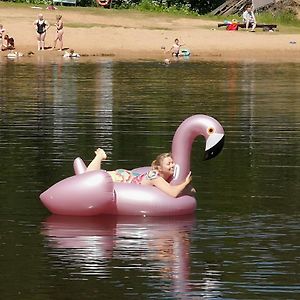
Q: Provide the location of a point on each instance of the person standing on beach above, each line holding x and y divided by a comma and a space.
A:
2, 33
59, 32
249, 18
41, 28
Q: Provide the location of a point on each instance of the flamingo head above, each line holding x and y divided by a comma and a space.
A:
214, 141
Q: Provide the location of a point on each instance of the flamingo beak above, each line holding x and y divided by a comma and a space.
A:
214, 145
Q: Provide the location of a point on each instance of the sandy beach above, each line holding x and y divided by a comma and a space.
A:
130, 35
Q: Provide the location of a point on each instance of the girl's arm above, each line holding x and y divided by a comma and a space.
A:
172, 190
170, 50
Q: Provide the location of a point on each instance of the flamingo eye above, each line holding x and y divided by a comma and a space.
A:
210, 130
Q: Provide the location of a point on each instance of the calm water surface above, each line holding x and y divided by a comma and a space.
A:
242, 243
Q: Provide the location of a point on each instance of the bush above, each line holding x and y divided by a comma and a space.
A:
174, 6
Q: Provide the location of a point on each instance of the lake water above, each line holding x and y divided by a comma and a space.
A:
242, 243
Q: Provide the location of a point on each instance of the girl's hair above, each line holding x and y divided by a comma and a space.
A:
157, 162
58, 17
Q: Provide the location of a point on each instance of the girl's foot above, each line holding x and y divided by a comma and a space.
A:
101, 153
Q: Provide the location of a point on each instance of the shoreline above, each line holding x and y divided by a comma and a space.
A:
133, 36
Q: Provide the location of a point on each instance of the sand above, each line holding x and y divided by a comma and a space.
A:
129, 35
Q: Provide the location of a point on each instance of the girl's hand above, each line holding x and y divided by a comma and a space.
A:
188, 179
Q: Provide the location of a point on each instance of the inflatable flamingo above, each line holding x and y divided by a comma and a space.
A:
104, 3
94, 193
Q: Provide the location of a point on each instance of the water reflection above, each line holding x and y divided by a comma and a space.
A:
156, 245
247, 245
81, 242
65, 111
104, 102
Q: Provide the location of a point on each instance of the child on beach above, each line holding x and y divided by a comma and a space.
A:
59, 32
71, 54
41, 26
175, 49
160, 175
8, 43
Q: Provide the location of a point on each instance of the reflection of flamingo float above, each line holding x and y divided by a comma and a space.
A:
90, 242
94, 193
70, 232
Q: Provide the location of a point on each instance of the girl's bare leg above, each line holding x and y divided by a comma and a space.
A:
39, 41
60, 38
43, 36
54, 44
95, 164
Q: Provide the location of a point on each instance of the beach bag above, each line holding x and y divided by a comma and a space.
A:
232, 26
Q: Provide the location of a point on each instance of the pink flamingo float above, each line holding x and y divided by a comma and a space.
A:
94, 193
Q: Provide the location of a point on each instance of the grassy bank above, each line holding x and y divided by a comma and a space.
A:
287, 22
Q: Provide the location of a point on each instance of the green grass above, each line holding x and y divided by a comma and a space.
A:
281, 18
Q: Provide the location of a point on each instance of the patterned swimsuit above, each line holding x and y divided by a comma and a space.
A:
122, 175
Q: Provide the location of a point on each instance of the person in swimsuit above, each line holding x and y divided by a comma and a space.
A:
160, 175
41, 26
175, 49
2, 33
71, 54
8, 43
59, 32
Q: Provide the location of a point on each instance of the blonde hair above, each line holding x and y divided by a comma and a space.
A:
158, 161
58, 17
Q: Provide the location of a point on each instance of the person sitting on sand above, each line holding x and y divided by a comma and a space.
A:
71, 54
160, 175
249, 18
8, 43
41, 26
59, 32
175, 49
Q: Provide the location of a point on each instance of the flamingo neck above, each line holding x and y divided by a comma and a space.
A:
182, 145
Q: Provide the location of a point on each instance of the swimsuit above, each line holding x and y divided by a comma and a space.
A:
125, 176
60, 27
41, 27
176, 50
